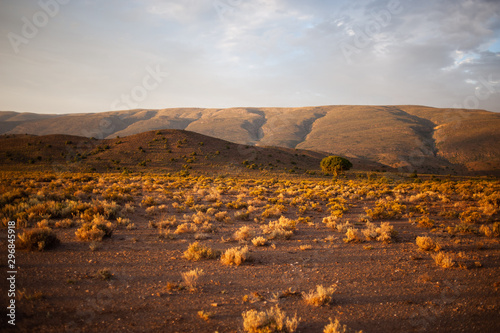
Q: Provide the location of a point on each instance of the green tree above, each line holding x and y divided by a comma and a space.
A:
335, 164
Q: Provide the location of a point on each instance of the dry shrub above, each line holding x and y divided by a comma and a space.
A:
320, 296
330, 222
186, 228
38, 239
385, 232
235, 256
191, 277
197, 251
259, 241
386, 210
426, 243
95, 230
343, 227
205, 315
270, 321
243, 234
494, 231
352, 235
282, 228
443, 259
370, 232
336, 327
222, 217
425, 222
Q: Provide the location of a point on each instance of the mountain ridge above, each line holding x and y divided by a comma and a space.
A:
408, 137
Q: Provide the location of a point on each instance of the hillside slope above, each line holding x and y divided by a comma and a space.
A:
406, 137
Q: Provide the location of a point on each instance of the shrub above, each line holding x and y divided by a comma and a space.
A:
196, 252
425, 222
426, 243
443, 259
235, 256
244, 233
38, 239
282, 228
259, 241
205, 315
104, 274
95, 230
336, 327
270, 321
352, 235
494, 231
320, 296
386, 210
335, 164
191, 278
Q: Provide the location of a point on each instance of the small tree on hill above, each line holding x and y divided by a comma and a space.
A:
335, 165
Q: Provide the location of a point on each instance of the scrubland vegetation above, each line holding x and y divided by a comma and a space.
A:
227, 224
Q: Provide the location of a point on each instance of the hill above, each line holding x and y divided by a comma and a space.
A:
153, 151
431, 140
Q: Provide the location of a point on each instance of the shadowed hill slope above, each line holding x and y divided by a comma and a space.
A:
406, 137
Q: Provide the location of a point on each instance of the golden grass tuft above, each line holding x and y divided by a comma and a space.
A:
259, 241
243, 234
197, 251
426, 243
443, 259
352, 235
191, 277
235, 256
336, 327
319, 296
270, 321
38, 239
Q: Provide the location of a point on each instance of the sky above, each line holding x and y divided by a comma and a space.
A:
72, 56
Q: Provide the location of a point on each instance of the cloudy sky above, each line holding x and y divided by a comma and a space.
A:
66, 56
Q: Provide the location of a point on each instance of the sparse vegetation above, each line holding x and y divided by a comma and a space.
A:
426, 243
197, 251
235, 256
270, 321
191, 277
38, 239
319, 296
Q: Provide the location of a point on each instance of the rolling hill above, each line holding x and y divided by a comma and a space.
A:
445, 141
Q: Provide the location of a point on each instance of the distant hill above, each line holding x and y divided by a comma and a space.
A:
431, 140
153, 151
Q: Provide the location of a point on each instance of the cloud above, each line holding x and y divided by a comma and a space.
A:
222, 53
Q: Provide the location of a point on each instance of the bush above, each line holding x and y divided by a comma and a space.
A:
270, 321
335, 164
426, 243
95, 230
320, 296
336, 327
235, 256
196, 252
38, 239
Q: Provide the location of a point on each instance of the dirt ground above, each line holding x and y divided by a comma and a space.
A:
380, 287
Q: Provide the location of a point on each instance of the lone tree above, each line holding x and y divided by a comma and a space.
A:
335, 165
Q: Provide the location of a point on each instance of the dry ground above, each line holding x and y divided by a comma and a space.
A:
390, 286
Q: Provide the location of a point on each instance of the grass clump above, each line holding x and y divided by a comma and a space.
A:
259, 241
493, 231
443, 259
197, 251
38, 239
319, 296
425, 243
352, 235
282, 228
191, 277
336, 327
244, 233
104, 274
95, 230
386, 210
270, 321
425, 222
235, 256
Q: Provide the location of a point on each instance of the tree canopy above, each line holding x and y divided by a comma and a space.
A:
335, 164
